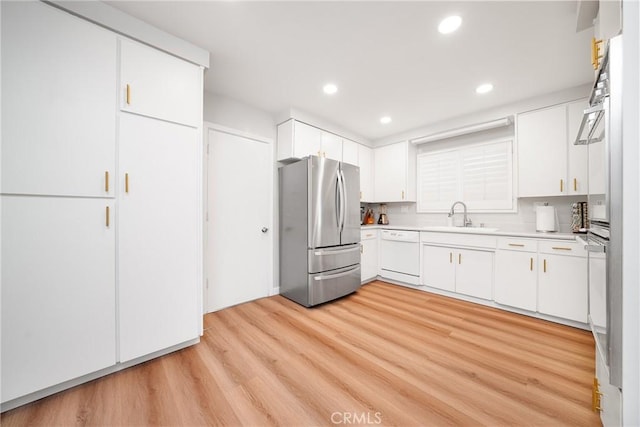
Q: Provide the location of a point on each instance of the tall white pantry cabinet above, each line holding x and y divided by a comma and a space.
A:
101, 201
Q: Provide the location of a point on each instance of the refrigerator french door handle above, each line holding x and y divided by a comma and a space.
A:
339, 201
343, 205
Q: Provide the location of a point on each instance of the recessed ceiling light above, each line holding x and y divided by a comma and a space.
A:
449, 24
484, 88
330, 88
385, 120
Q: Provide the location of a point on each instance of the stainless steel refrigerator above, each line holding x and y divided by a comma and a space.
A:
319, 230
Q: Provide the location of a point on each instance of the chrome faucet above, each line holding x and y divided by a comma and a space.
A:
466, 220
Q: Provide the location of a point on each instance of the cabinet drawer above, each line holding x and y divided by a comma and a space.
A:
517, 244
564, 247
368, 234
458, 239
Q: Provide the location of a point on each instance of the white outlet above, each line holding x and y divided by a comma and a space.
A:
404, 209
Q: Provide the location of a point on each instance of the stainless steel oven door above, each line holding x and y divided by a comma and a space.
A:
598, 154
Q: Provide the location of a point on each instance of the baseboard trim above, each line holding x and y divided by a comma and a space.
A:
23, 400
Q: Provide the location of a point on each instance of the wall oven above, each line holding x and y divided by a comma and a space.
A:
601, 130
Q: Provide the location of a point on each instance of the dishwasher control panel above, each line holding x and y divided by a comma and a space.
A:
401, 235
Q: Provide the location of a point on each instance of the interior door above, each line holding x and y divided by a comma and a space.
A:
239, 243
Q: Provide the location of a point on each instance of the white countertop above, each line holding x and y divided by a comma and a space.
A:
476, 230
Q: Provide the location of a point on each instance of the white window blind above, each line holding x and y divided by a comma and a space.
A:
481, 175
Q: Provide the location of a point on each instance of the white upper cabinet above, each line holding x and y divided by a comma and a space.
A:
58, 103
365, 160
350, 152
331, 146
577, 154
158, 85
542, 152
548, 162
297, 140
395, 173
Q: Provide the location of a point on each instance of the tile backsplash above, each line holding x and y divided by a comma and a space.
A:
524, 220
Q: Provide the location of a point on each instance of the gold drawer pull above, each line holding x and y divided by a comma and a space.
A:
128, 95
450, 257
107, 216
575, 184
544, 266
561, 185
561, 248
402, 194
531, 264
106, 181
126, 183
459, 258
518, 245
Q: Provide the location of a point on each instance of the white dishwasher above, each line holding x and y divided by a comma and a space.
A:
400, 255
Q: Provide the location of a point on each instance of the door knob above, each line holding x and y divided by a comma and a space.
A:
264, 229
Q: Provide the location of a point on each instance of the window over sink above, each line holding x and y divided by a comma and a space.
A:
480, 174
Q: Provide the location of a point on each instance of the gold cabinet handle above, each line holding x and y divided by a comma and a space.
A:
575, 184
106, 181
107, 217
561, 185
531, 264
402, 194
544, 266
126, 183
450, 257
518, 245
361, 248
560, 248
128, 94
459, 258
595, 396
595, 53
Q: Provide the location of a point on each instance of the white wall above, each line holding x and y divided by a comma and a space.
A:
566, 95
234, 114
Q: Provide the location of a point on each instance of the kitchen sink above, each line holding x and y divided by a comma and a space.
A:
461, 229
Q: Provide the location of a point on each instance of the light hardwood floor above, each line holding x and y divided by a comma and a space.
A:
386, 355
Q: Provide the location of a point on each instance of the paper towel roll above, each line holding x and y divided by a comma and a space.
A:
545, 218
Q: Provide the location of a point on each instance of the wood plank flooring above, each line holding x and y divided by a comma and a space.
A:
386, 355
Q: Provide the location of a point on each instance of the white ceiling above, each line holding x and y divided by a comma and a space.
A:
387, 58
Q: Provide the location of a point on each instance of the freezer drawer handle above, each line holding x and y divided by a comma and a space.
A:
339, 251
334, 276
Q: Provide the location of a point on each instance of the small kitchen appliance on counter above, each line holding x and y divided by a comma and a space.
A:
546, 218
383, 219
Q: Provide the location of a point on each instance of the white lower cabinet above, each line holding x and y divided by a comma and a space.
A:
58, 291
610, 399
465, 271
562, 286
438, 269
158, 235
474, 273
515, 279
368, 255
